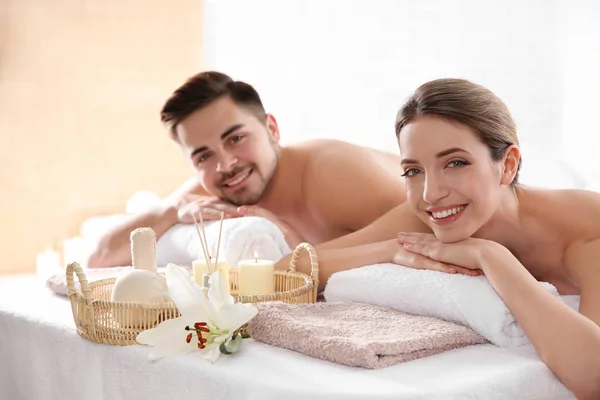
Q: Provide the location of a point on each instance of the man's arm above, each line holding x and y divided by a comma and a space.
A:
113, 249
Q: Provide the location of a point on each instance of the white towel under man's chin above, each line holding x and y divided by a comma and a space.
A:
241, 238
470, 301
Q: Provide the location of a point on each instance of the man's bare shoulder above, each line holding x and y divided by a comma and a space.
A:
328, 158
350, 185
332, 150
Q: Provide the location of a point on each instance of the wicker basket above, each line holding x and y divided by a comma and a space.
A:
101, 320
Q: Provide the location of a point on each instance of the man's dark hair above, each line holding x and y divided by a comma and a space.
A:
202, 89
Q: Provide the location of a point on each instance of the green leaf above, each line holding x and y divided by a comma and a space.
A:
232, 346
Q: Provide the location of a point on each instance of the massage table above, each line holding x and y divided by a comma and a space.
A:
44, 358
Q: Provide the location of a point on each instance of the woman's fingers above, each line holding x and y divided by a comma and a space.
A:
417, 261
467, 271
432, 259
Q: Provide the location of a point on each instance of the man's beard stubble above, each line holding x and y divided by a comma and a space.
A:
251, 198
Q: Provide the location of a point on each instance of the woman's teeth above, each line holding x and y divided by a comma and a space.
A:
238, 179
447, 213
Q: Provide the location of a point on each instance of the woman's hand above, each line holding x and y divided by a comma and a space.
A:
462, 257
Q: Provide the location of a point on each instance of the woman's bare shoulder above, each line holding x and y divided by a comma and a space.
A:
573, 210
581, 203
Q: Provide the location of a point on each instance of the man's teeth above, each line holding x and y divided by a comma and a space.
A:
447, 213
238, 180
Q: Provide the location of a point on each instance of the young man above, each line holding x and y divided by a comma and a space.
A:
314, 191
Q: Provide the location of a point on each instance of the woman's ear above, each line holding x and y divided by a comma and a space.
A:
272, 127
510, 164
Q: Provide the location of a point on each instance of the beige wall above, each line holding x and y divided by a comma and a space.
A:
81, 85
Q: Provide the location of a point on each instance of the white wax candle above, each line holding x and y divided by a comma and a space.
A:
255, 276
47, 263
199, 268
74, 249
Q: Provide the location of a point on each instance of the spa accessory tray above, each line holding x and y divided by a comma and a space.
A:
101, 320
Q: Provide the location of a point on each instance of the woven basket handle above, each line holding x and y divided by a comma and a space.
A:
72, 269
314, 261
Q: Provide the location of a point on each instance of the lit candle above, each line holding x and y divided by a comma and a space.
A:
199, 268
255, 276
74, 250
47, 263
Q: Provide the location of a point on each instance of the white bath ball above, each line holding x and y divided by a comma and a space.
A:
138, 286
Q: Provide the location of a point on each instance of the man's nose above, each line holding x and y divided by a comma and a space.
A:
435, 189
226, 162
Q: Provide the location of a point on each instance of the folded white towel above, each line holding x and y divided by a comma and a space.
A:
466, 300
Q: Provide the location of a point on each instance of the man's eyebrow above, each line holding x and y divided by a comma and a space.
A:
224, 135
441, 154
231, 130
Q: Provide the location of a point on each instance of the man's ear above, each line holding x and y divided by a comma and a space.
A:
272, 127
510, 164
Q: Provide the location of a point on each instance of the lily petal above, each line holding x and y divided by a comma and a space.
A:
212, 352
218, 294
235, 315
167, 338
188, 297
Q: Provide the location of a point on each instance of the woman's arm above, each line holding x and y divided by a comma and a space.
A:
375, 243
567, 342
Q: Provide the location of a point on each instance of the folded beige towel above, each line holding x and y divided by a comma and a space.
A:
356, 334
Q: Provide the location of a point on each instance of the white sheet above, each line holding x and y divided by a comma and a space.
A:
43, 358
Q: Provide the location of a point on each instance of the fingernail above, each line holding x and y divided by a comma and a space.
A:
242, 210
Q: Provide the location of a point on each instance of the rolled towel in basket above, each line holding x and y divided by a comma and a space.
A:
470, 301
241, 238
355, 334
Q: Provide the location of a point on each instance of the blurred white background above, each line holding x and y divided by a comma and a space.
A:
82, 83
341, 69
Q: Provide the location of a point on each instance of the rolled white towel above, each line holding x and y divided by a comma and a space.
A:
466, 300
240, 238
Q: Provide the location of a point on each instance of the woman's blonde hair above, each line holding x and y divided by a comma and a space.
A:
469, 104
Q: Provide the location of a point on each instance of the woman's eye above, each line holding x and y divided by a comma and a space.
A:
457, 163
410, 172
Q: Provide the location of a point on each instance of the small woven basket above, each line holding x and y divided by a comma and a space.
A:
101, 320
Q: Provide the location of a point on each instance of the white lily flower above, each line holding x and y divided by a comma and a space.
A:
205, 323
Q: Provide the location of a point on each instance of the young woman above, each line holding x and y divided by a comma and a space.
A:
467, 213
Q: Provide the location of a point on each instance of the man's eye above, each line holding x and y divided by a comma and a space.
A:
203, 157
236, 138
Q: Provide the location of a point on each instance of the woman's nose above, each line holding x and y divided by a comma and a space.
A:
434, 189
